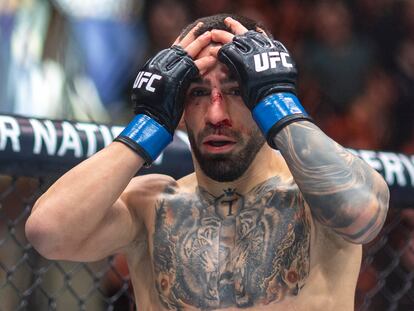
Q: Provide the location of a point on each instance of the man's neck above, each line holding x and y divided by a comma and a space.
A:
266, 164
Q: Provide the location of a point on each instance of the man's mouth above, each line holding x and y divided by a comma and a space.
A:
218, 144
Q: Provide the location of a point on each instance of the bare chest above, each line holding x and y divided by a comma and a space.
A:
230, 251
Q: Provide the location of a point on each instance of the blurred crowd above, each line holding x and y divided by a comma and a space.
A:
77, 59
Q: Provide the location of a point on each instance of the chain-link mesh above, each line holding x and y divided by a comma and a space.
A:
30, 282
387, 271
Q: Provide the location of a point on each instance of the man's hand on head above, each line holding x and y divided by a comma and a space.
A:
194, 46
208, 55
158, 94
223, 37
266, 73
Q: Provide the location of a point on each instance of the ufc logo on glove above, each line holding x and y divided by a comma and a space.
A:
268, 60
146, 78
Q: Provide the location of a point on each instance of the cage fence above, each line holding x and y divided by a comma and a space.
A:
30, 282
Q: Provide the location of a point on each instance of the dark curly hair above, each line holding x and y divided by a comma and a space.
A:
217, 22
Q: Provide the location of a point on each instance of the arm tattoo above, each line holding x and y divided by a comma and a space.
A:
343, 192
233, 250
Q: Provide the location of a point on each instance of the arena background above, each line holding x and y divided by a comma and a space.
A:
66, 67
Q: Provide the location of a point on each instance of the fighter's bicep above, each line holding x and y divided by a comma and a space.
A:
125, 221
117, 229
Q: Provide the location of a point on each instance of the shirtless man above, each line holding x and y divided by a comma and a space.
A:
252, 228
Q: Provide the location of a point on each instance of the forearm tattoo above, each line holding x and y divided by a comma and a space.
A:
233, 250
342, 191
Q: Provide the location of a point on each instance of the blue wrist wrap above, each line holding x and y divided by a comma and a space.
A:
145, 136
276, 111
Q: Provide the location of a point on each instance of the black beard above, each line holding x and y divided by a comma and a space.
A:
231, 166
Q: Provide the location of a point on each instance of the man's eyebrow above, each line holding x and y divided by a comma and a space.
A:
229, 79
198, 80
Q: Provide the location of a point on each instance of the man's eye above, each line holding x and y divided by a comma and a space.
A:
234, 92
199, 92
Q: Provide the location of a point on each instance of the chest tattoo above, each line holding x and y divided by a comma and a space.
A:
232, 250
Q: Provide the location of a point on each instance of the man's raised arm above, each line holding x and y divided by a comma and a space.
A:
89, 213
343, 192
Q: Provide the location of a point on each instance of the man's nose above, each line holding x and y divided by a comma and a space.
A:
217, 112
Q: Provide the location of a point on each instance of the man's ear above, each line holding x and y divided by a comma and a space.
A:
181, 125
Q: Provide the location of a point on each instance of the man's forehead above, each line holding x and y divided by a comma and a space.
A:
221, 73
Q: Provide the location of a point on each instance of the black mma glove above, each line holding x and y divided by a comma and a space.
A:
158, 95
267, 77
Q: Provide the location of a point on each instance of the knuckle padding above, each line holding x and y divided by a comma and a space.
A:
232, 62
189, 66
280, 45
260, 41
242, 43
